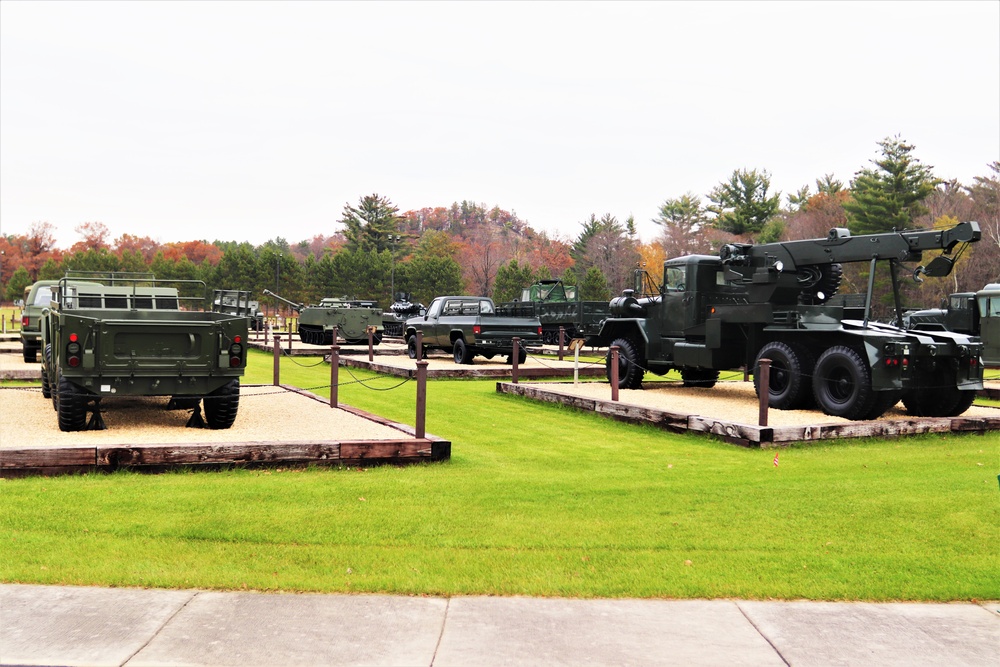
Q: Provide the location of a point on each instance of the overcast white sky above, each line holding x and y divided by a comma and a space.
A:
253, 120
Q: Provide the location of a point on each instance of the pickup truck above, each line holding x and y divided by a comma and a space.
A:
468, 326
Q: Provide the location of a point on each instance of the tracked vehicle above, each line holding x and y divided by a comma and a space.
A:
776, 301
352, 317
134, 336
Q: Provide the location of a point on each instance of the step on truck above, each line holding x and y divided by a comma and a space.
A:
114, 335
558, 306
777, 301
468, 326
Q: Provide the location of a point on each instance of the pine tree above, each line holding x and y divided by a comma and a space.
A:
889, 197
369, 224
742, 204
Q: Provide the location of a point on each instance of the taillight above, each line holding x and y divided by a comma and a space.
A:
539, 331
236, 353
24, 321
73, 351
476, 329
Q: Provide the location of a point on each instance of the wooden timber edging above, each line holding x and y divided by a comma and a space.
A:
754, 436
21, 374
164, 456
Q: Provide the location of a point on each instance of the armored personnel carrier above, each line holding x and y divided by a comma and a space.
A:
352, 317
139, 337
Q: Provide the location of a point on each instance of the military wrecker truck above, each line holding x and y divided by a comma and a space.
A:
773, 300
352, 317
974, 313
556, 306
468, 326
134, 336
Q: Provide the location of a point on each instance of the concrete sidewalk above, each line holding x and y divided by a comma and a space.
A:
52, 625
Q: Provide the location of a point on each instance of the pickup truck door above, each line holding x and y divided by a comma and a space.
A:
432, 325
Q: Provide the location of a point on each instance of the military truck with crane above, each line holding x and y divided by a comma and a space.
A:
776, 301
114, 335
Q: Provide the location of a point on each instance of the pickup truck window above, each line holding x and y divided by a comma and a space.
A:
434, 310
485, 308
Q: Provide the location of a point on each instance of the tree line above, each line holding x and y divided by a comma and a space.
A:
468, 248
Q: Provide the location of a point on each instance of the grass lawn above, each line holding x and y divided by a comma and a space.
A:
537, 500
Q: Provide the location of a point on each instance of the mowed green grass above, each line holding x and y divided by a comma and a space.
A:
536, 500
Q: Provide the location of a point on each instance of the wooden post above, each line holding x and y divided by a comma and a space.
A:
562, 338
277, 359
765, 390
421, 396
334, 372
289, 341
371, 343
614, 372
514, 357
420, 345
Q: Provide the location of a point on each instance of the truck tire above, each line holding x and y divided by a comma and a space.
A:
463, 355
522, 356
699, 377
222, 404
46, 364
411, 347
71, 406
883, 401
842, 384
937, 396
630, 364
790, 385
819, 280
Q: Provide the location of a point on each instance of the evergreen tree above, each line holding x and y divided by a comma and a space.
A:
742, 204
595, 286
511, 279
17, 282
890, 196
429, 276
369, 225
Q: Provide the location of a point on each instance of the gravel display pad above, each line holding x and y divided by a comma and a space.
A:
266, 413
